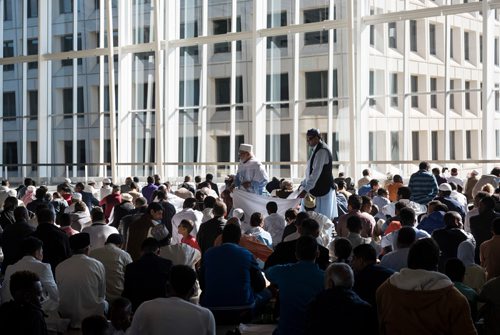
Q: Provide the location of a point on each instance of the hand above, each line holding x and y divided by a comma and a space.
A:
302, 194
246, 184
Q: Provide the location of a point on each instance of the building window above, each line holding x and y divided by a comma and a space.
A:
32, 9
8, 51
497, 97
415, 145
189, 93
371, 88
223, 26
80, 156
316, 88
393, 36
372, 35
33, 146
33, 104
277, 20
495, 48
413, 35
316, 15
10, 155
394, 90
67, 45
65, 6
394, 145
452, 96
68, 102
223, 90
223, 147
468, 144
9, 104
433, 96
451, 43
32, 50
480, 48
466, 45
106, 98
190, 29
335, 88
452, 145
434, 145
278, 149
467, 95
372, 146
414, 89
432, 39
7, 10
277, 89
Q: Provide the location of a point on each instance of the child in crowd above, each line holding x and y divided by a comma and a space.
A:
185, 229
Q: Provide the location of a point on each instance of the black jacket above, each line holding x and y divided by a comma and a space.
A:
55, 244
146, 279
284, 253
209, 230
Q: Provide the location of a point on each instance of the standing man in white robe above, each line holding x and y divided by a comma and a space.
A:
251, 176
319, 178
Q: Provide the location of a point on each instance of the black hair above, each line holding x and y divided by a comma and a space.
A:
309, 227
187, 224
404, 192
182, 279
354, 224
342, 248
454, 269
30, 244
365, 252
424, 254
22, 281
95, 325
407, 216
189, 203
406, 237
45, 215
115, 239
306, 248
355, 202
256, 219
97, 214
209, 202
272, 207
150, 244
231, 234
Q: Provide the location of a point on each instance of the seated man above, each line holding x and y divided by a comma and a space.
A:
338, 307
397, 259
419, 300
23, 315
284, 252
32, 261
230, 278
145, 278
174, 314
298, 284
82, 283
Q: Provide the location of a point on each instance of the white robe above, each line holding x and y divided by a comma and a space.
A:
252, 171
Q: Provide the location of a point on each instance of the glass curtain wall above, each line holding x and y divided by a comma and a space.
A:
388, 83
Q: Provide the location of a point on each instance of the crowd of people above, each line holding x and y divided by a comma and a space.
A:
355, 257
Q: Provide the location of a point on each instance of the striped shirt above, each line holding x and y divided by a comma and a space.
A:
423, 187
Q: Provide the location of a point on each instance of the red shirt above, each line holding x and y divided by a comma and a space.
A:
191, 241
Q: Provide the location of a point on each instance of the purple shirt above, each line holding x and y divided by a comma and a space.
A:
148, 190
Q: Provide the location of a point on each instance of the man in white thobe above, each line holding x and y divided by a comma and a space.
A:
251, 176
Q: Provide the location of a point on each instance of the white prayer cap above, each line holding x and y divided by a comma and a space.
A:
246, 147
106, 181
127, 197
76, 196
238, 213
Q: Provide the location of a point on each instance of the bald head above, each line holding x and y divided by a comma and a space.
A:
339, 275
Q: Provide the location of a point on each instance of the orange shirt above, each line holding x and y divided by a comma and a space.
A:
393, 188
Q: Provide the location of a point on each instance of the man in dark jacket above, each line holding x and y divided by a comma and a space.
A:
339, 308
12, 237
146, 278
284, 252
56, 243
40, 200
480, 225
122, 209
209, 183
212, 228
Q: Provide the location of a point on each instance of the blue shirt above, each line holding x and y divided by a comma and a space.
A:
228, 275
298, 283
363, 190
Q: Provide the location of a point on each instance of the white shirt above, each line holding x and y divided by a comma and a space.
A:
114, 260
181, 254
252, 171
320, 159
173, 316
456, 180
326, 227
105, 191
30, 263
82, 288
471, 213
390, 239
99, 233
185, 214
275, 224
